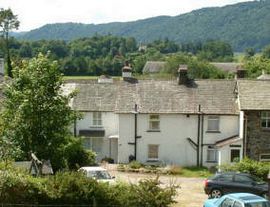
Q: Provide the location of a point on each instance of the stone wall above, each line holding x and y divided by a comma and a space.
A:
258, 138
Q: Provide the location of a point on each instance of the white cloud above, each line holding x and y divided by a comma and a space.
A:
35, 13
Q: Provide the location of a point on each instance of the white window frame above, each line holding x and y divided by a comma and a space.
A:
154, 118
265, 115
213, 118
264, 160
212, 150
97, 119
154, 158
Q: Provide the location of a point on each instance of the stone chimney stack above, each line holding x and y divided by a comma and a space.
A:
182, 75
240, 72
126, 71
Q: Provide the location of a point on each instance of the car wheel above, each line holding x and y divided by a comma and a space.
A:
215, 193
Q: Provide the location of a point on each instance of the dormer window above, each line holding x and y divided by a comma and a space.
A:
154, 122
97, 119
265, 119
213, 124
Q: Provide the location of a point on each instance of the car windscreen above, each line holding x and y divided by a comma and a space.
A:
99, 175
258, 204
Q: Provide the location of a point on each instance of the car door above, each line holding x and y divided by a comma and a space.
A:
243, 184
225, 182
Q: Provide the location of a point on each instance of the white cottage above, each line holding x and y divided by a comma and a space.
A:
178, 122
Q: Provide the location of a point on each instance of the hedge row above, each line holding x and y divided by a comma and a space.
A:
73, 188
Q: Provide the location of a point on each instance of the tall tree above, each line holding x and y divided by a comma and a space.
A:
8, 22
36, 112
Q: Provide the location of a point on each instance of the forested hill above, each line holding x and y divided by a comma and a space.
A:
243, 25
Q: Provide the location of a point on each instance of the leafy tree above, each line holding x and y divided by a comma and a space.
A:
266, 52
216, 51
8, 22
256, 65
249, 52
36, 114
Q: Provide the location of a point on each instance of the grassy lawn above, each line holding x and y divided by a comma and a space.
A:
195, 172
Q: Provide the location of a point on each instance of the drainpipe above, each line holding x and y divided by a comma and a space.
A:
245, 136
202, 130
198, 138
75, 128
135, 131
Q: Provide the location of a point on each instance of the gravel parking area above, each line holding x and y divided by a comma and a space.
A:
190, 193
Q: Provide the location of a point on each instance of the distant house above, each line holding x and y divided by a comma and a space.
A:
153, 67
227, 67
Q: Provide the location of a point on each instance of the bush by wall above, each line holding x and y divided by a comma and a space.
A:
255, 168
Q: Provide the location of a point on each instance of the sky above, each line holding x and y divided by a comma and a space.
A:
35, 13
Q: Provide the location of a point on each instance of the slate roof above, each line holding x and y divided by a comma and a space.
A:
227, 67
254, 94
157, 96
153, 66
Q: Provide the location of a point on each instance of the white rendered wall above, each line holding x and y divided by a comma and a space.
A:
229, 126
110, 125
172, 138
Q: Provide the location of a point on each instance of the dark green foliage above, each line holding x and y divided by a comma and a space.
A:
196, 69
256, 65
243, 25
77, 156
249, 52
255, 168
8, 22
266, 52
36, 115
74, 188
216, 51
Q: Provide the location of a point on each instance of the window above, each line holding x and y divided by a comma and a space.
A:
154, 122
243, 179
97, 119
264, 157
153, 152
225, 177
212, 155
94, 144
235, 155
265, 119
237, 204
227, 203
213, 123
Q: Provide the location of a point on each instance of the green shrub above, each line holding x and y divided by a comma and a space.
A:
255, 168
135, 165
17, 186
73, 188
149, 193
77, 156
